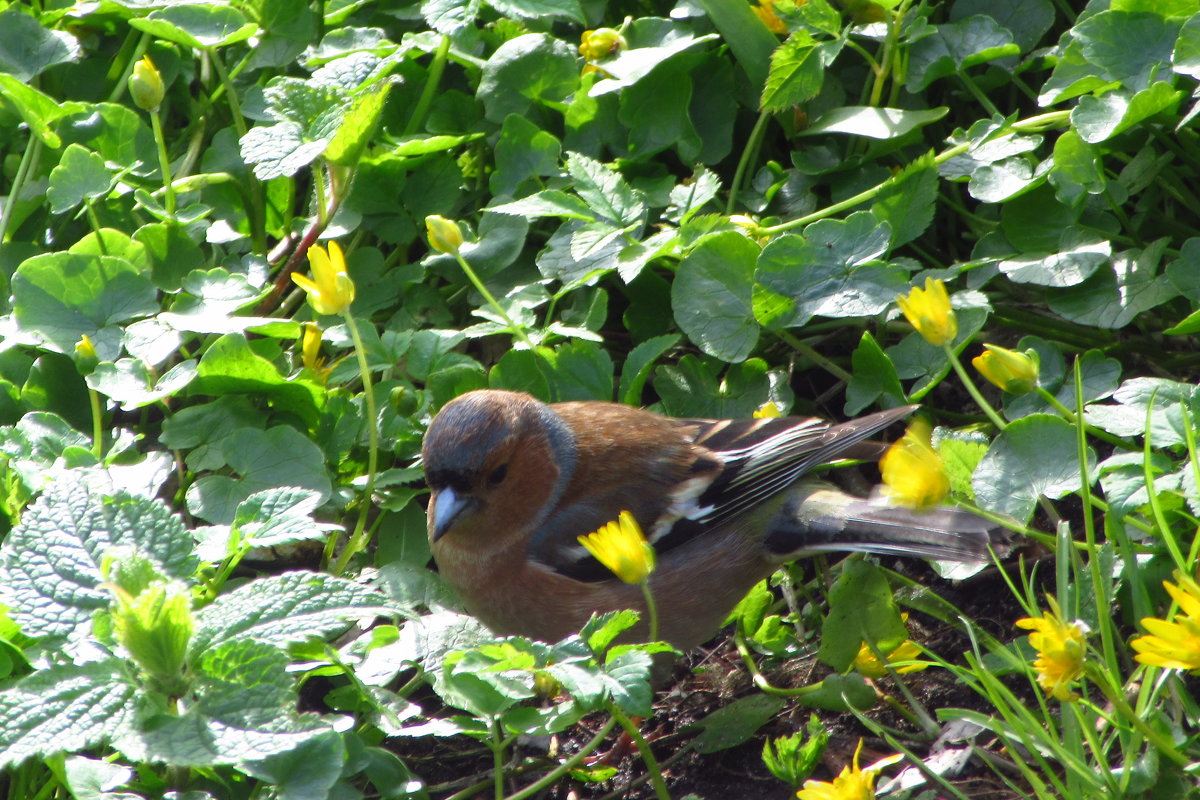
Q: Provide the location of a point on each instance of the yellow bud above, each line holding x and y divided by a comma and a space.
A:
444, 234
85, 355
146, 85
601, 43
1015, 373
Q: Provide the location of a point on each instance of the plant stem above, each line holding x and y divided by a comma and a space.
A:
29, 160
436, 67
739, 174
164, 162
516, 329
358, 540
97, 423
651, 610
656, 778
568, 765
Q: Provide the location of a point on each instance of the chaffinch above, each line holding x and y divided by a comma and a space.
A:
515, 482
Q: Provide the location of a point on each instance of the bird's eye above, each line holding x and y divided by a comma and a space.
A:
497, 476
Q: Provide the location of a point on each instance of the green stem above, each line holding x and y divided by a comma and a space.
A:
651, 610
94, 221
978, 94
1164, 746
812, 355
432, 80
516, 329
358, 540
1071, 417
973, 390
29, 160
562, 769
164, 162
656, 778
752, 143
97, 423
497, 747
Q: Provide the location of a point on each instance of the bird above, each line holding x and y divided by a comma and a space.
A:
515, 482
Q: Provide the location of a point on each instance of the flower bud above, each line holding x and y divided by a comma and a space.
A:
601, 43
85, 355
146, 85
155, 626
444, 234
1015, 373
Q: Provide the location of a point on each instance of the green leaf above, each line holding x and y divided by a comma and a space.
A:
448, 17
230, 365
525, 151
874, 378
630, 66
1033, 457
957, 46
50, 565
64, 709
750, 41
28, 49
861, 609
712, 293
841, 693
547, 203
307, 772
1132, 48
1100, 118
638, 364
736, 723
872, 121
278, 456
1082, 254
797, 72
520, 371
655, 111
1029, 20
39, 111
828, 271
605, 190
285, 609
1114, 297
525, 72
79, 176
1186, 56
907, 201
132, 384
197, 26
94, 779
582, 371
540, 9
310, 115
356, 130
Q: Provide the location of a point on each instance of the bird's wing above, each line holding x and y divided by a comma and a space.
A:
704, 474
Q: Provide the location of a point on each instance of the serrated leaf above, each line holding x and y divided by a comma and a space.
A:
605, 190
64, 709
50, 564
284, 609
547, 203
797, 71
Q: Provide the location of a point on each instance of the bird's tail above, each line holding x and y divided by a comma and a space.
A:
817, 518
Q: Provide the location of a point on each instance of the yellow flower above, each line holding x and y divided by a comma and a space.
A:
621, 546
1061, 649
929, 312
85, 355
601, 43
146, 85
766, 13
1174, 644
444, 234
332, 291
913, 474
852, 784
310, 352
866, 662
768, 410
1015, 373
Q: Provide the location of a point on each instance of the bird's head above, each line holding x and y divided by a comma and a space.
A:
495, 461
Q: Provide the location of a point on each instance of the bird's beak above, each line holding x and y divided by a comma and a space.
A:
446, 507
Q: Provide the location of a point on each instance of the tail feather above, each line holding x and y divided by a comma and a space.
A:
818, 519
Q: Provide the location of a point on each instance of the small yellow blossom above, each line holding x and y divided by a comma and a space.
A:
1061, 649
310, 352
146, 85
444, 234
768, 410
929, 312
868, 664
85, 355
913, 473
601, 43
330, 290
852, 784
621, 546
1015, 373
1173, 644
766, 12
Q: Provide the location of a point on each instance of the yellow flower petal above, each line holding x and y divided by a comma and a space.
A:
1015, 373
1061, 650
621, 546
913, 473
929, 312
331, 290
852, 784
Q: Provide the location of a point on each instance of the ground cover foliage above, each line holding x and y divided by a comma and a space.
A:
214, 572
